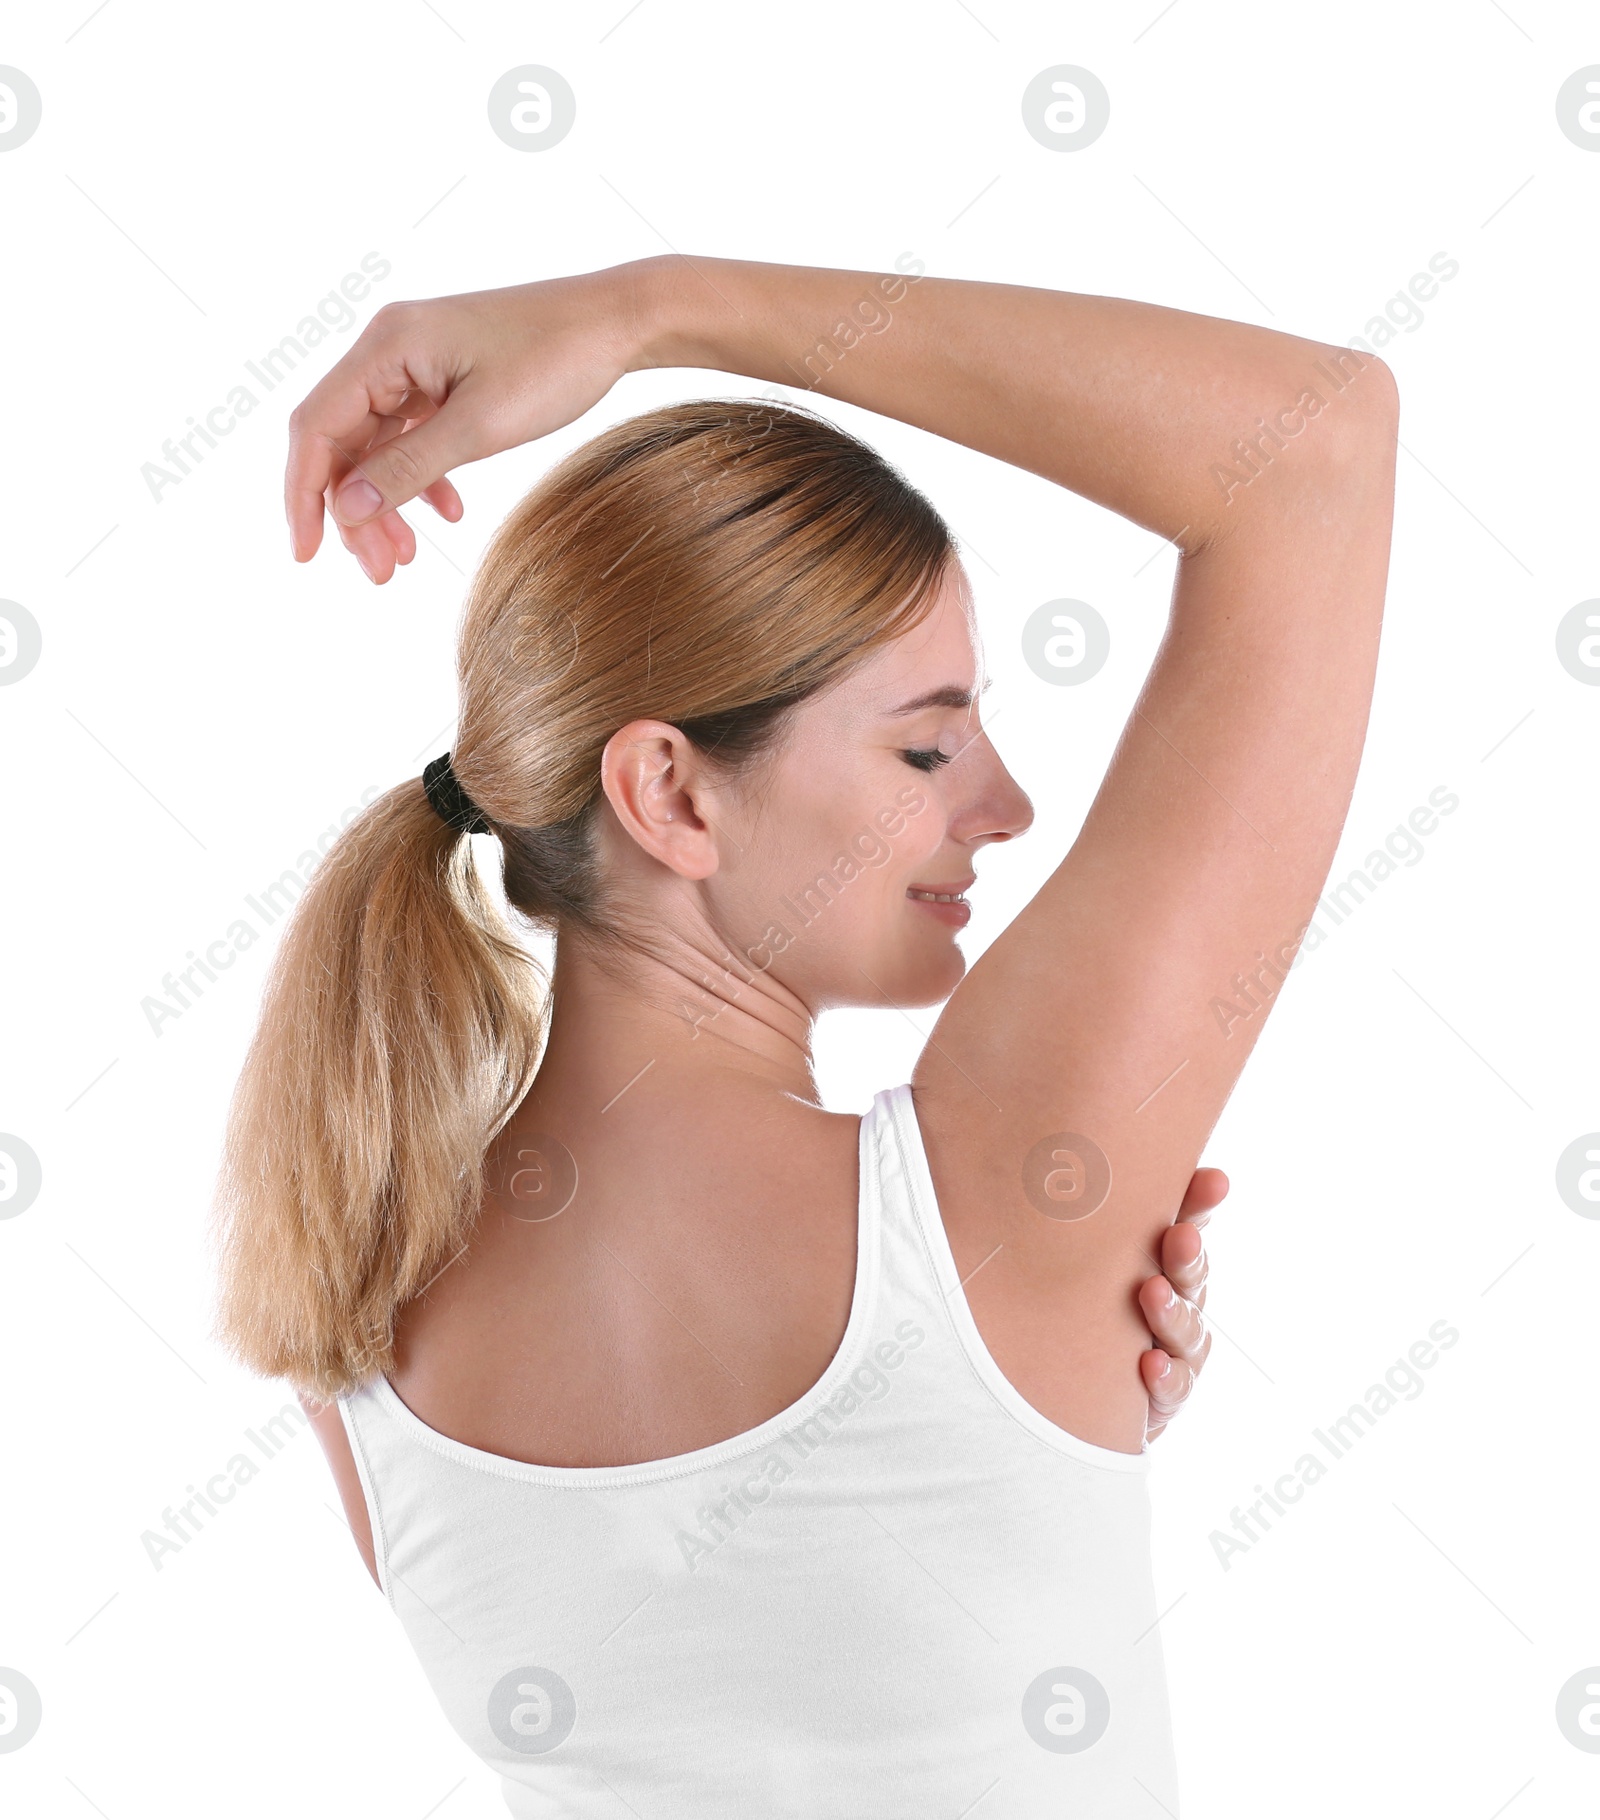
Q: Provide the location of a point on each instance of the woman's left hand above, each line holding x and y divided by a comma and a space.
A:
1171, 1304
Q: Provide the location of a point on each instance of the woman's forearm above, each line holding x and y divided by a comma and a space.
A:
1179, 422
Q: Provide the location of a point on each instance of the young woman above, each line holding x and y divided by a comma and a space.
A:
720, 1453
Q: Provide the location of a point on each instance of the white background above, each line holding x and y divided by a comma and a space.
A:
204, 710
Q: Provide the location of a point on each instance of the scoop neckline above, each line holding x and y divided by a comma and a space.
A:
863, 1297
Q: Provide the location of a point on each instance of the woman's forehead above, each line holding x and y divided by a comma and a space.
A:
941, 649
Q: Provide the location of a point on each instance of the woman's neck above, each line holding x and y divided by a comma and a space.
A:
677, 1011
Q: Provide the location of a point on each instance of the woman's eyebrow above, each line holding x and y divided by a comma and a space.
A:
948, 695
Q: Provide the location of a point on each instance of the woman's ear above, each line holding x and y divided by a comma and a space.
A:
655, 782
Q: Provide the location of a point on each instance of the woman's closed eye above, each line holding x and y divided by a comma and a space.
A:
926, 758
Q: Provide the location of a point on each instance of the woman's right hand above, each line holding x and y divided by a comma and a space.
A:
432, 384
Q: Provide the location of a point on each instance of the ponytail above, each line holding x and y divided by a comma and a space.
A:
400, 1027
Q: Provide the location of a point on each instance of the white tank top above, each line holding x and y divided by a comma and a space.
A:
907, 1594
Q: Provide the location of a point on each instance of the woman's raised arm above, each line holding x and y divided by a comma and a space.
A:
1133, 405
1076, 1072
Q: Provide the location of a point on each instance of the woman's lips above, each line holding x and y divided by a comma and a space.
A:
946, 902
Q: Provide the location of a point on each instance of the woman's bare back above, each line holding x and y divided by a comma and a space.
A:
697, 1282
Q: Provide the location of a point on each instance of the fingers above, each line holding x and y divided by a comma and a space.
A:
381, 546
1172, 1303
1184, 1261
1169, 1368
1167, 1383
444, 499
387, 541
1175, 1322
1207, 1188
378, 417
1183, 1256
400, 469
371, 549
328, 431
400, 535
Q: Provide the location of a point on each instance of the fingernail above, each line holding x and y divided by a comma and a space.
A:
1166, 1366
357, 500
1172, 1297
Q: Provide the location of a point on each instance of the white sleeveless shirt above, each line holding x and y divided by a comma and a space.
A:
909, 1594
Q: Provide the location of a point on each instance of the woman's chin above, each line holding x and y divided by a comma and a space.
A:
924, 978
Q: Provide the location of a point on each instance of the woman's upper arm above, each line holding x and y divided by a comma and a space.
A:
329, 1424
1116, 1012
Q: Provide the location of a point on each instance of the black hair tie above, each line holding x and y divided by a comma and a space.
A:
450, 802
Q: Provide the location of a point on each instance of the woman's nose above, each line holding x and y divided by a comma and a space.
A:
1000, 808
1025, 803
1018, 813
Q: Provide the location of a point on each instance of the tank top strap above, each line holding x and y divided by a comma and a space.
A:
919, 1271
913, 1260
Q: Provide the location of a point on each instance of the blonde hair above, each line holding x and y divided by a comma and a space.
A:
708, 564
